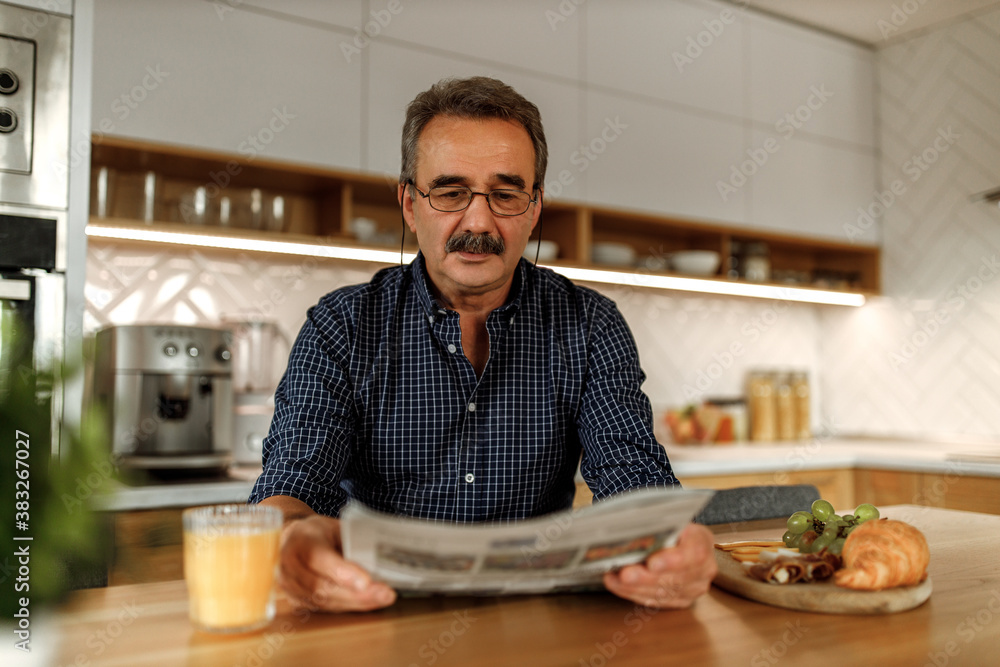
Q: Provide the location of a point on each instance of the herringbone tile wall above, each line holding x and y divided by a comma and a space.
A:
925, 359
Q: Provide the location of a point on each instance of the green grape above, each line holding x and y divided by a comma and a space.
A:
832, 528
836, 546
823, 541
799, 523
834, 518
822, 509
806, 540
789, 538
866, 512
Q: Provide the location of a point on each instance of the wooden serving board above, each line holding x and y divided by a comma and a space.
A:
821, 596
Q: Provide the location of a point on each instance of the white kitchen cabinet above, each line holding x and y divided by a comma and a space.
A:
651, 157
518, 34
687, 53
242, 83
398, 74
349, 14
813, 188
791, 67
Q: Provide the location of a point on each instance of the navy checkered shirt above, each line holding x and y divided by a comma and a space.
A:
380, 404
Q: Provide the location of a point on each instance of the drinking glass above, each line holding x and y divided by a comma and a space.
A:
230, 565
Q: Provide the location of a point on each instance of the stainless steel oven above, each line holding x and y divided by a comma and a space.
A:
36, 54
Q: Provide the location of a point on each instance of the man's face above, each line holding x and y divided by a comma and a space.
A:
482, 155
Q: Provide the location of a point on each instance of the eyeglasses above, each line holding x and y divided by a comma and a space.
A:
451, 198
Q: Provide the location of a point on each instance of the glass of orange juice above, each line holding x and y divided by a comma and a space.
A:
230, 563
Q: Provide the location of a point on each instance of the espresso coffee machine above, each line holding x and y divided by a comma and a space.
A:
166, 394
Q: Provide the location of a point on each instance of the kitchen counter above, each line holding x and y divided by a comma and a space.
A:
957, 625
235, 488
978, 459
974, 459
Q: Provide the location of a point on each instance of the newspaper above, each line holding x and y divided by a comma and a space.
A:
564, 551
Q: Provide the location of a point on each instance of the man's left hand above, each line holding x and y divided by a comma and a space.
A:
670, 578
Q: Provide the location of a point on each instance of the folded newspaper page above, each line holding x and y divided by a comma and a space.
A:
563, 551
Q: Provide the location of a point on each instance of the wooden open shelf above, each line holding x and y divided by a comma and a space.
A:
320, 204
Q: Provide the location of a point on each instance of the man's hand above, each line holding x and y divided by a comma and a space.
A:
670, 578
312, 569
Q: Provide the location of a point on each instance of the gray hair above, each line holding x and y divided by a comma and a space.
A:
476, 98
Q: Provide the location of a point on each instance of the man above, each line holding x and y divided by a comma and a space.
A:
467, 385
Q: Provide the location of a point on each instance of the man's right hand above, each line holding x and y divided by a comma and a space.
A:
313, 570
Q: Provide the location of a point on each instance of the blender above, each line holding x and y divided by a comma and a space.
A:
260, 353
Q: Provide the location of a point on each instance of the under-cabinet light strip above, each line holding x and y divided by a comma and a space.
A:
635, 279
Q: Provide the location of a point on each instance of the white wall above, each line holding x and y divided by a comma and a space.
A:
693, 115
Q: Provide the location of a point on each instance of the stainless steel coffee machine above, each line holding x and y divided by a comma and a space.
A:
166, 393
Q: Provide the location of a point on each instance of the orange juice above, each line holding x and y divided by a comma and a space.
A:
230, 573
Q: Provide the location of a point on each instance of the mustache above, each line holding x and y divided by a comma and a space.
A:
480, 244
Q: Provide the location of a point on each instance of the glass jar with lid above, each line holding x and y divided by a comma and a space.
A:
756, 262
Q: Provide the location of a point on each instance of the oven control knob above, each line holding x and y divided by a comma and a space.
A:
170, 350
9, 82
223, 354
193, 351
8, 120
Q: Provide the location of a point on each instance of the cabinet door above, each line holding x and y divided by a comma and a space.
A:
651, 157
791, 67
685, 53
237, 81
809, 187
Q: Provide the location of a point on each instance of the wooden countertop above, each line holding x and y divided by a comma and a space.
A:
960, 624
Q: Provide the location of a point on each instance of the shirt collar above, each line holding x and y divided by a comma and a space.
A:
430, 305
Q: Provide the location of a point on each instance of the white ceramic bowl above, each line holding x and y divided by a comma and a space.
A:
547, 250
612, 254
695, 262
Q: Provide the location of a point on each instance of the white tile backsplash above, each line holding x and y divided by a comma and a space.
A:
924, 358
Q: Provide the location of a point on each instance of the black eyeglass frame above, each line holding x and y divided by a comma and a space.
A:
472, 195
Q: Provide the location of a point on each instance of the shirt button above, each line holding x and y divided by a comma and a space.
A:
472, 407
452, 348
430, 318
470, 478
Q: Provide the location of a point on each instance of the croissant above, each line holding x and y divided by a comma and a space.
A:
883, 554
